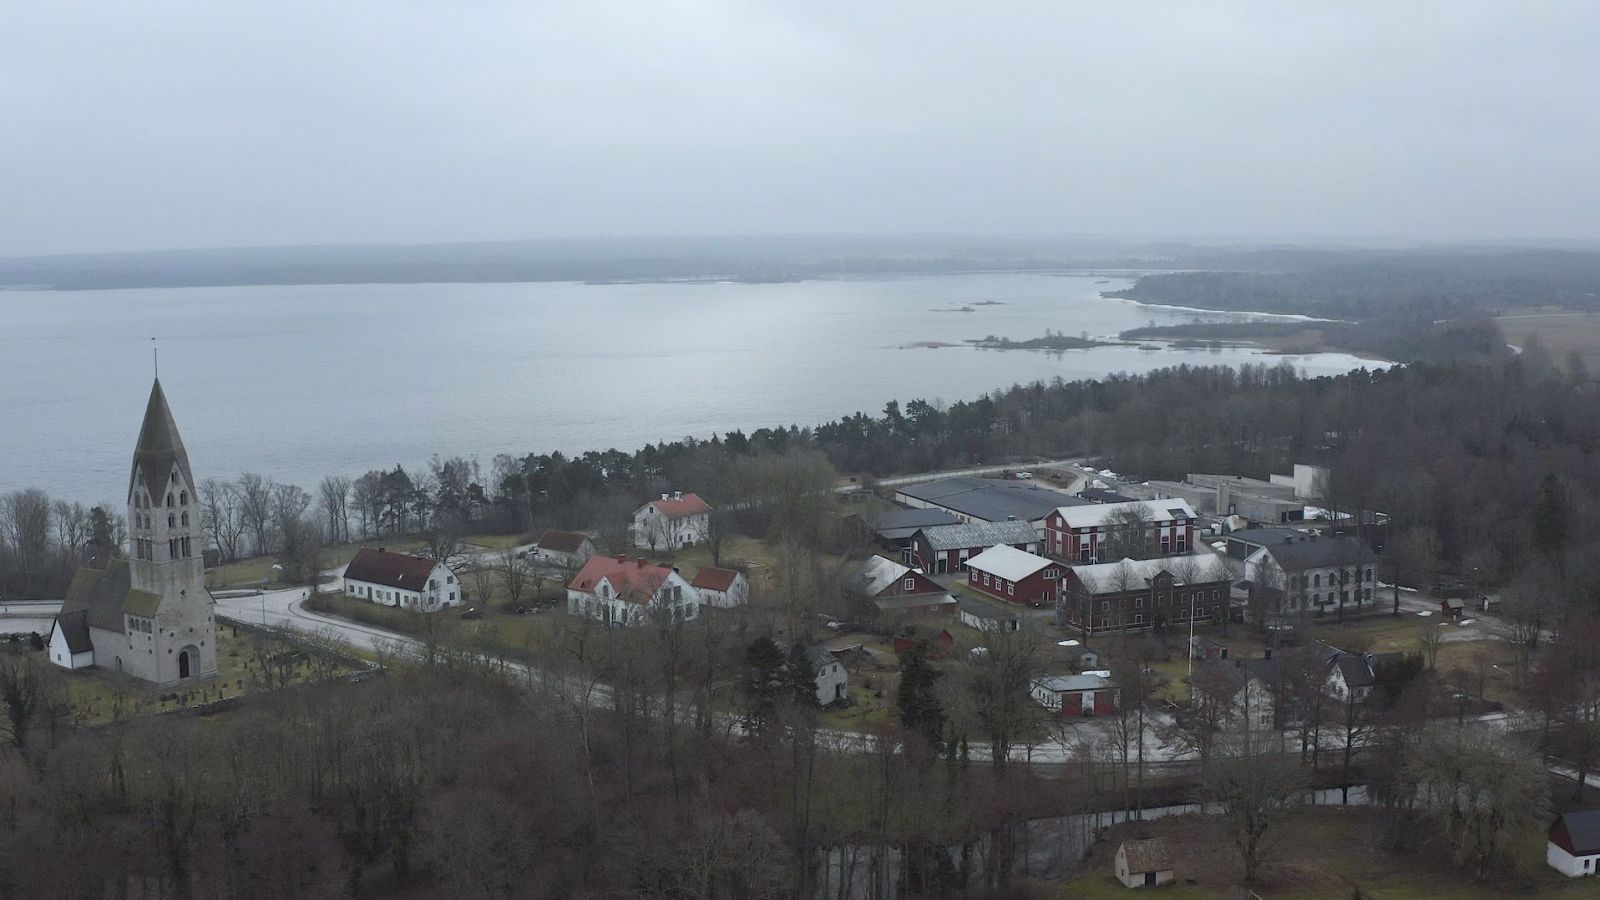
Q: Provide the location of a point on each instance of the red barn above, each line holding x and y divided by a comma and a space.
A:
886, 593
1014, 576
1106, 530
938, 645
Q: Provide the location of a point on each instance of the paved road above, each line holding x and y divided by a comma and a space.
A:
978, 472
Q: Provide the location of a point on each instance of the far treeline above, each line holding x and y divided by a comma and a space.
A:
1413, 285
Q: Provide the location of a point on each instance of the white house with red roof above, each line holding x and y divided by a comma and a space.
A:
620, 591
675, 521
721, 587
400, 579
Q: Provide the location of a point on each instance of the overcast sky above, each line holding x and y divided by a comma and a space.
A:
208, 123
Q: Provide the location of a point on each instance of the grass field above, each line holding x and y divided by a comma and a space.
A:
98, 696
262, 570
1317, 853
1561, 333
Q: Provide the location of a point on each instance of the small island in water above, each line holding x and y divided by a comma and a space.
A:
1052, 340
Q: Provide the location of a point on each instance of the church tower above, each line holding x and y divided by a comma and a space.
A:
166, 552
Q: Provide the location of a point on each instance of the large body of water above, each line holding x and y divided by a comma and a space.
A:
297, 382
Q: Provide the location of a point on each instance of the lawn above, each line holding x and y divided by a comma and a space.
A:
1317, 853
509, 633
98, 696
1561, 333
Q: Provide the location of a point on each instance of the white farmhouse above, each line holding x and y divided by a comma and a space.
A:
675, 521
619, 591
402, 580
721, 587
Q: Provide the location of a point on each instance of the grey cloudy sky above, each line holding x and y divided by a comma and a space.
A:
207, 123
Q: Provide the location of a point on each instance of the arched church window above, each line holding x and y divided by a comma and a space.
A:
183, 498
186, 518
172, 549
172, 520
186, 553
169, 501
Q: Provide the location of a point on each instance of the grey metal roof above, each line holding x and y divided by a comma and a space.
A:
896, 524
1583, 829
1261, 537
1321, 553
104, 596
1101, 495
961, 536
991, 499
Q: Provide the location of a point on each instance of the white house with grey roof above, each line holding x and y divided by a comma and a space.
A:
149, 615
1303, 573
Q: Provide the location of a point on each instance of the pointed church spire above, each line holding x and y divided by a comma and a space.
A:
160, 448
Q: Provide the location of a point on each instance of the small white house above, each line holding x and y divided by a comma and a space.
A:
563, 548
1574, 845
833, 681
401, 580
721, 587
1145, 863
675, 521
70, 646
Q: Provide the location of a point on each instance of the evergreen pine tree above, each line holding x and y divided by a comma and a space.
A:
765, 665
920, 709
800, 677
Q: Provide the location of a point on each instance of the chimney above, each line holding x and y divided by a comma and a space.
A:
622, 557
677, 495
639, 560
380, 549
1011, 518
663, 496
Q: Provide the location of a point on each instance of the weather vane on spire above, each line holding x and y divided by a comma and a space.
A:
155, 356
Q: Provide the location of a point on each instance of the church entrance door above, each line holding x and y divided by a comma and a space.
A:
183, 664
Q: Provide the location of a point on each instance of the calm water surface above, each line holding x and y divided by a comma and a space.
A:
297, 382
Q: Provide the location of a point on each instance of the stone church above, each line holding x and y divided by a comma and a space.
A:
148, 615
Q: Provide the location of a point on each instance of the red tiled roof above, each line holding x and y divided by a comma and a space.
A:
396, 570
711, 578
557, 541
634, 580
689, 505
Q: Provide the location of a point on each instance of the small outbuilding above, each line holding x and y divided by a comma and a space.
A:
1574, 845
1077, 695
1452, 607
1146, 863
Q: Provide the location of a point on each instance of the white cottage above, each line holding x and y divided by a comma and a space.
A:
402, 580
1574, 845
833, 681
1146, 863
721, 587
675, 521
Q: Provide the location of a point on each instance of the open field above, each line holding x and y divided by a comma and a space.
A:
1321, 853
98, 696
1561, 333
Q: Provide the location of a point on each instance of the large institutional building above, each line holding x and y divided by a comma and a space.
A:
149, 615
